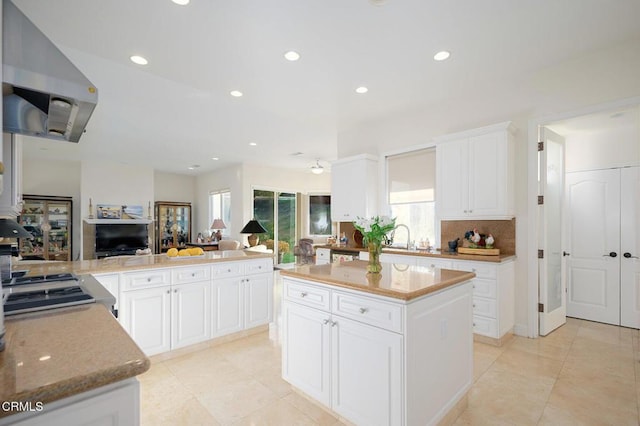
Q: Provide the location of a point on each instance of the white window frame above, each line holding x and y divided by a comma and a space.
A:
219, 215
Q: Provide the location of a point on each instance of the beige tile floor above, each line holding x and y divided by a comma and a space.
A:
584, 373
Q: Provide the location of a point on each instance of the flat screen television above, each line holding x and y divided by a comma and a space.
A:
121, 238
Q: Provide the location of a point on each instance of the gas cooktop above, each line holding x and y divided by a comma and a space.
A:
36, 293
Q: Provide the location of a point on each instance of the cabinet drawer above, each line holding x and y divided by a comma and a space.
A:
307, 295
258, 266
485, 307
223, 270
145, 279
485, 288
481, 269
432, 262
369, 311
485, 326
190, 274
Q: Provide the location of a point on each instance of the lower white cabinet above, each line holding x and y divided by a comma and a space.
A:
493, 290
146, 315
374, 360
112, 405
190, 313
243, 299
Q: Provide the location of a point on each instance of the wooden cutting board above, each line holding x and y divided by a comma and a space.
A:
479, 251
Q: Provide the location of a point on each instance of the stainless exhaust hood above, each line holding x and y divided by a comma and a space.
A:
43, 93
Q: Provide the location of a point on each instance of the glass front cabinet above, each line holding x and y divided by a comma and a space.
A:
173, 225
48, 219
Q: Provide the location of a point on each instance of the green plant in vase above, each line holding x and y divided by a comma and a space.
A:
374, 232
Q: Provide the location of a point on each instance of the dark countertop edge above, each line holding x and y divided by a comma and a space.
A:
407, 297
423, 253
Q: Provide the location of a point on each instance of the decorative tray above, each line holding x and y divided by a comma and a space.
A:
479, 251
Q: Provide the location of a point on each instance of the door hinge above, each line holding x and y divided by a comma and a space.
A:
540, 254
540, 307
541, 146
540, 199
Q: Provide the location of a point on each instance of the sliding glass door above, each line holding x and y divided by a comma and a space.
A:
277, 212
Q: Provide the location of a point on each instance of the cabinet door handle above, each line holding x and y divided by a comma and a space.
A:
303, 294
148, 279
474, 305
363, 310
175, 291
325, 321
168, 291
193, 274
610, 254
628, 255
228, 270
333, 323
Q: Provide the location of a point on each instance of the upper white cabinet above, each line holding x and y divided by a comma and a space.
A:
475, 174
354, 188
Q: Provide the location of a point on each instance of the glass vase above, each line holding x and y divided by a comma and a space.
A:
375, 248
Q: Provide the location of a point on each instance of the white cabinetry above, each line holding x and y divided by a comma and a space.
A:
160, 316
372, 359
354, 188
112, 405
475, 174
242, 295
493, 290
493, 297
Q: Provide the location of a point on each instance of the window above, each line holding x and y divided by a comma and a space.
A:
411, 194
319, 214
277, 212
220, 208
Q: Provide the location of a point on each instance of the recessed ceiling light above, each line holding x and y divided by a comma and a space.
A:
253, 144
235, 93
442, 55
195, 166
215, 158
362, 89
292, 56
139, 60
181, 2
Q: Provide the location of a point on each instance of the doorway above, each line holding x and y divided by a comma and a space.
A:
600, 214
277, 212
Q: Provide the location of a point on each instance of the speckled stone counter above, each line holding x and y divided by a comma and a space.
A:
122, 263
397, 281
424, 253
63, 352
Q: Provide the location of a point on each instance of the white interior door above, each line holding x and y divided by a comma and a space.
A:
552, 294
593, 241
630, 247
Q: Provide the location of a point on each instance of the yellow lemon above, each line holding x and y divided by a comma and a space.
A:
193, 251
198, 251
184, 252
172, 252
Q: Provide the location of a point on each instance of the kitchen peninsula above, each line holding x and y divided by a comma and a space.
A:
394, 348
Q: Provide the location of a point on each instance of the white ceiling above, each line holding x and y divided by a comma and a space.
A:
176, 111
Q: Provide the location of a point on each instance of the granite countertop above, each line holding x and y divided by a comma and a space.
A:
58, 353
424, 253
122, 263
396, 280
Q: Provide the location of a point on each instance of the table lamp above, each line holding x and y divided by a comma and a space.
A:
218, 224
253, 227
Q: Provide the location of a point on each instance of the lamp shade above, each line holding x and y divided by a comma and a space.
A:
253, 227
9, 228
218, 224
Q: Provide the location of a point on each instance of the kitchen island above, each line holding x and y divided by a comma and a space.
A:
69, 366
394, 348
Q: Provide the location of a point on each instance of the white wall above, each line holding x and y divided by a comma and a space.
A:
174, 187
56, 178
594, 78
603, 149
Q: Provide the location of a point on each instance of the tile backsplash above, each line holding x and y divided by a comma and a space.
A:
503, 231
